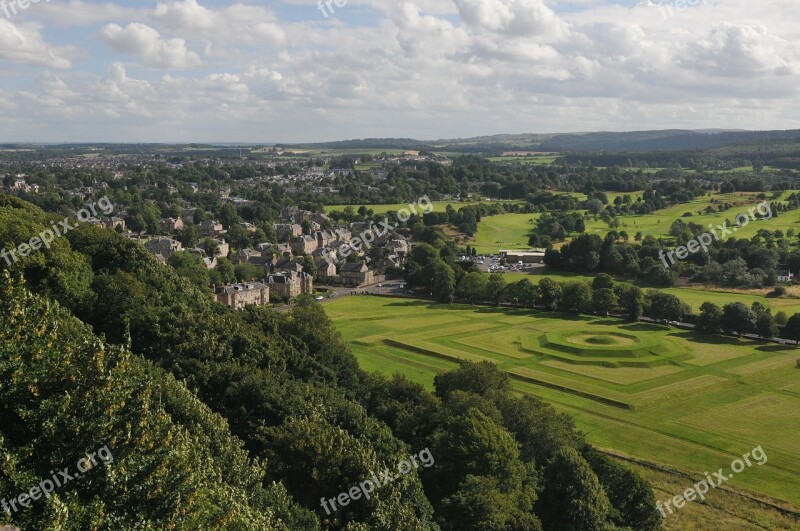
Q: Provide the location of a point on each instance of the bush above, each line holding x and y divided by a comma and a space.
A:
779, 291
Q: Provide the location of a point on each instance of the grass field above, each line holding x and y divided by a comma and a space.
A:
507, 231
688, 402
511, 230
533, 159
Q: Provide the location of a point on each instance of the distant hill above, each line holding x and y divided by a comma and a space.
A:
590, 142
669, 140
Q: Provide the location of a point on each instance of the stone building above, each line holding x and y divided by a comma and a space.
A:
240, 295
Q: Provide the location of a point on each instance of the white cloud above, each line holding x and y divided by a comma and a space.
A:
424, 68
238, 23
147, 44
24, 44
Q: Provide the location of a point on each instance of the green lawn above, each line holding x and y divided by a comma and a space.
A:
667, 396
507, 231
658, 223
511, 229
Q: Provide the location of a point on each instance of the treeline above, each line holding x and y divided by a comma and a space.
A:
603, 296
218, 418
732, 262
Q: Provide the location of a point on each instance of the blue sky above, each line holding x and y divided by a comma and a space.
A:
281, 71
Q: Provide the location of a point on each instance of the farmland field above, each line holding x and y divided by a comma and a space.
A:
663, 395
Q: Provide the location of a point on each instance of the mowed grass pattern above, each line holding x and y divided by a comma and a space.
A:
672, 397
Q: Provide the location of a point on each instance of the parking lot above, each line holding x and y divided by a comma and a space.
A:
492, 264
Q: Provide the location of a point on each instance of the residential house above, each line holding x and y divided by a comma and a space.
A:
289, 284
321, 219
356, 274
391, 261
166, 247
113, 223
241, 295
324, 238
303, 245
288, 212
224, 247
784, 275
171, 225
249, 256
302, 215
344, 234
288, 264
210, 263
210, 227
287, 231
326, 270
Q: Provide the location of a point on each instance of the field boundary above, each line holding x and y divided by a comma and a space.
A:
788, 511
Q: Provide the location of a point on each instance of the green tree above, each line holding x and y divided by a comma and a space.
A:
223, 273
766, 327
792, 329
576, 296
480, 504
309, 266
229, 217
631, 300
189, 236
737, 318
634, 505
444, 282
573, 498
522, 292
710, 319
496, 288
549, 293
472, 287
665, 306
190, 266
478, 378
472, 444
603, 281
604, 300
246, 272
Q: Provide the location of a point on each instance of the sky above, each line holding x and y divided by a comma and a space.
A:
301, 71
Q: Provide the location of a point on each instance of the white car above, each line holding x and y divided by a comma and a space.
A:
320, 298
